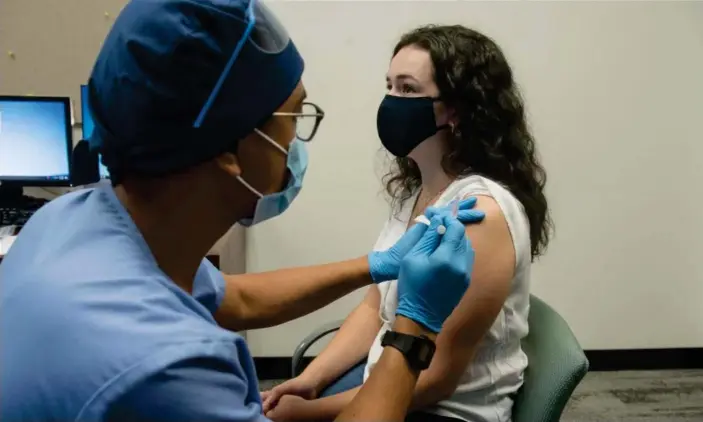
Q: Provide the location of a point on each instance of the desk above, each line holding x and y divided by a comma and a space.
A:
229, 253
5, 244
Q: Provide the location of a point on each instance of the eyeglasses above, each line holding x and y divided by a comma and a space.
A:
306, 121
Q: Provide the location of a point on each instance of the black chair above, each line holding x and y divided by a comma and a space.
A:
84, 165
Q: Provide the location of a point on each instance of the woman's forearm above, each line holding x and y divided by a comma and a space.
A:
329, 408
350, 345
266, 299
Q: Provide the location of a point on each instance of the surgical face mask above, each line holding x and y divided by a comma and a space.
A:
273, 205
404, 122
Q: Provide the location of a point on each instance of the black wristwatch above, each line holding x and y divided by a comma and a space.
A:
417, 350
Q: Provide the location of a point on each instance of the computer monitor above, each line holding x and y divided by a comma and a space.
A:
35, 141
88, 127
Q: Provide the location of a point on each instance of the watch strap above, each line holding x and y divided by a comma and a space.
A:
418, 351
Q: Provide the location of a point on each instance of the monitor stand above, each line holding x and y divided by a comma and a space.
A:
11, 194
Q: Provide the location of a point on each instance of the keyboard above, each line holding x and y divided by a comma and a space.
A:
18, 214
14, 216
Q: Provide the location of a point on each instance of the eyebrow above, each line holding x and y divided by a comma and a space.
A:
299, 101
403, 76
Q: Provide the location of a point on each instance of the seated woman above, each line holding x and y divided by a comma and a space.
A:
454, 119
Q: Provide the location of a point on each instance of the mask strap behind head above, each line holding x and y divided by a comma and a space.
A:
251, 18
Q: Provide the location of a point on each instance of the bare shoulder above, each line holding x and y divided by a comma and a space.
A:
495, 221
492, 241
491, 279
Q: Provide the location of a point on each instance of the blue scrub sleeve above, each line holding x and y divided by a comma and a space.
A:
202, 389
209, 286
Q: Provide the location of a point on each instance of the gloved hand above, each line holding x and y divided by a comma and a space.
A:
465, 211
435, 274
384, 265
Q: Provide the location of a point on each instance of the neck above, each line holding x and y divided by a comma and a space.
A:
177, 228
428, 157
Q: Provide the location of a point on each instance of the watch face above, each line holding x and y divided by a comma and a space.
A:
417, 350
424, 353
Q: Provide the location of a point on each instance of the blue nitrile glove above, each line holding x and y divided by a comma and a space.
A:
435, 274
384, 265
465, 211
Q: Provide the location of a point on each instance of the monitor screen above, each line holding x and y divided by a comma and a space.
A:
35, 141
88, 127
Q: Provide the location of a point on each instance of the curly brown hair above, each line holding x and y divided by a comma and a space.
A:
491, 137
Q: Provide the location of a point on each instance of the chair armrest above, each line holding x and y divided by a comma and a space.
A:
308, 341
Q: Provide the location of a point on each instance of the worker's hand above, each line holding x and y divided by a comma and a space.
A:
465, 211
435, 274
300, 386
385, 265
290, 409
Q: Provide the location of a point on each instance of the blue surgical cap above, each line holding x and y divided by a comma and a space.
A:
178, 82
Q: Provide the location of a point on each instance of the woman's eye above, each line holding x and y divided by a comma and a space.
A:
408, 88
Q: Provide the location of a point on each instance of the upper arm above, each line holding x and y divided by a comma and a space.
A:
494, 268
230, 307
201, 389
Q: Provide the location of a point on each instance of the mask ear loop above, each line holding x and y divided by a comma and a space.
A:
270, 141
237, 49
250, 187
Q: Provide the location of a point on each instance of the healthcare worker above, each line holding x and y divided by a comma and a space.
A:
110, 312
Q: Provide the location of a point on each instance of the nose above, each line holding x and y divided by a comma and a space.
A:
395, 92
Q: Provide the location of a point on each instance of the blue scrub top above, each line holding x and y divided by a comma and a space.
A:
92, 330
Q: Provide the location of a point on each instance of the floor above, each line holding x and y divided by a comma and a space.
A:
636, 396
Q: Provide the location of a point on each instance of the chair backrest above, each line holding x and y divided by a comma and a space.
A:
557, 364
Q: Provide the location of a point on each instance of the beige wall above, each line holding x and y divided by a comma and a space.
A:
53, 45
615, 98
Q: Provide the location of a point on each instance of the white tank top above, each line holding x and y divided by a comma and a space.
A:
485, 391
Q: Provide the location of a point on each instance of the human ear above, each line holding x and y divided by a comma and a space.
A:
229, 163
445, 115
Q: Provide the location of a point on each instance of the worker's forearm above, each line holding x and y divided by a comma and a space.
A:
388, 393
436, 383
271, 298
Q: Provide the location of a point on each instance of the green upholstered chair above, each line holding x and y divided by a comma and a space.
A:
557, 364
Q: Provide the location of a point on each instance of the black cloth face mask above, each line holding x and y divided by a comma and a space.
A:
404, 122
